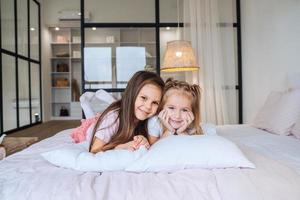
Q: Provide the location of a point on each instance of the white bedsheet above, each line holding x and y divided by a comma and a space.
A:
285, 149
26, 175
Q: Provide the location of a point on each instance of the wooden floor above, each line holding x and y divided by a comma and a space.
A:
46, 129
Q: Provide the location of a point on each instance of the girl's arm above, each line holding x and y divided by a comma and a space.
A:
127, 146
97, 145
152, 139
166, 133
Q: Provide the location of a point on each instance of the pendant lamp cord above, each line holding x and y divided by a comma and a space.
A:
178, 30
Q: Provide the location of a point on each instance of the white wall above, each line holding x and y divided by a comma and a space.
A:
114, 10
270, 49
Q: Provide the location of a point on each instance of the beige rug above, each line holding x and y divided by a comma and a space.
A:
15, 144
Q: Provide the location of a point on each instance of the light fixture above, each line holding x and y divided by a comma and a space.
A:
168, 28
79, 14
32, 29
94, 28
57, 28
179, 55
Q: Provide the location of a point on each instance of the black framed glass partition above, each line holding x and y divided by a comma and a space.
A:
20, 71
119, 44
111, 32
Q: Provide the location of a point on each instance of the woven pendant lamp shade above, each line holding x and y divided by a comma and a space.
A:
179, 56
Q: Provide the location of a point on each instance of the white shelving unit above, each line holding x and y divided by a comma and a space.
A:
65, 73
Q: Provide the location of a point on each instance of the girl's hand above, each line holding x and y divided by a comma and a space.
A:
140, 140
188, 119
164, 118
135, 144
127, 146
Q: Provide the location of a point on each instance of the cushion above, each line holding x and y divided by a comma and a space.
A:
183, 152
76, 156
94, 102
279, 113
296, 129
209, 129
80, 133
294, 81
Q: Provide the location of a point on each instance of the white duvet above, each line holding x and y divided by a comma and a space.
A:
26, 175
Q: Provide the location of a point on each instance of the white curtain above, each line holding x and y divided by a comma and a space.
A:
213, 43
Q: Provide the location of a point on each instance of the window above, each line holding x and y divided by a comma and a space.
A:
20, 67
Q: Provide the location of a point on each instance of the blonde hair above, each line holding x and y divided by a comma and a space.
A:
193, 91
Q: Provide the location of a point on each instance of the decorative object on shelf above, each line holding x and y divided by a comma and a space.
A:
61, 82
64, 112
110, 39
63, 54
36, 117
62, 67
75, 90
76, 39
148, 55
61, 39
76, 54
179, 55
150, 68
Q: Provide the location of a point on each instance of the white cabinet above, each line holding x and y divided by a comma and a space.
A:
65, 73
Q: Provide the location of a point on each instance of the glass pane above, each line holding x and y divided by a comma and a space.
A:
98, 66
7, 25
23, 81
229, 52
22, 28
112, 11
227, 11
9, 89
34, 31
113, 55
35, 93
166, 35
129, 61
169, 9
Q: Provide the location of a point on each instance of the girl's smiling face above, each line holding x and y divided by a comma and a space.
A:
178, 106
147, 102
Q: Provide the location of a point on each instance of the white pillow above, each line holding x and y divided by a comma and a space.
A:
279, 113
296, 129
182, 152
94, 102
76, 156
209, 129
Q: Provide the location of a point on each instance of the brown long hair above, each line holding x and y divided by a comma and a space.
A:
128, 125
192, 91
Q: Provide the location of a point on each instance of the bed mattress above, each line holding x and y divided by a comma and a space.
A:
26, 175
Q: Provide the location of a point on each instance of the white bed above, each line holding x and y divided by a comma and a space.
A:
285, 149
26, 175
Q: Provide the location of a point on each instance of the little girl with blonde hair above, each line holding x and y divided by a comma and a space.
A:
179, 111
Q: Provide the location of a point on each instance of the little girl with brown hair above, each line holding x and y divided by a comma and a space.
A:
123, 124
